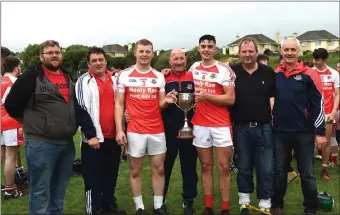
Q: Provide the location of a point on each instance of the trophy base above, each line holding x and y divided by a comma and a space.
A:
185, 133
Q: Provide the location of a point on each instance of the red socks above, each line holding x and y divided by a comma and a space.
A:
225, 205
208, 200
334, 159
319, 152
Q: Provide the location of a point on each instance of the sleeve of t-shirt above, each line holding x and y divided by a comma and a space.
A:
120, 85
229, 77
162, 84
336, 80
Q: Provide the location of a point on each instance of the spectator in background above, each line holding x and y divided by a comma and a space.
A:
263, 59
11, 130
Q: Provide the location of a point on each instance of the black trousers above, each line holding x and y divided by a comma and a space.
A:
100, 171
188, 158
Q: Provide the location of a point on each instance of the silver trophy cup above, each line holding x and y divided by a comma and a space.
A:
185, 102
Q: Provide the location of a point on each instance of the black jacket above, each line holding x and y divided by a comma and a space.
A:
45, 114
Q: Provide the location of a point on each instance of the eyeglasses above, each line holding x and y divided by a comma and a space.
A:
52, 53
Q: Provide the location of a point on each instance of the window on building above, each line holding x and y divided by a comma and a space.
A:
304, 44
331, 43
318, 43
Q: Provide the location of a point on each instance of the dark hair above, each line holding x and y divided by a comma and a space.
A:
5, 52
246, 40
309, 64
95, 50
48, 43
320, 53
262, 57
9, 63
207, 37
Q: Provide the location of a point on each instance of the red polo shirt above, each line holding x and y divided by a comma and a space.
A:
106, 105
59, 81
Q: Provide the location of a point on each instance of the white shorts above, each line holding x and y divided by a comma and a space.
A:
138, 144
206, 137
334, 142
12, 137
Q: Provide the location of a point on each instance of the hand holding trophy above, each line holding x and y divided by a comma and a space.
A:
185, 103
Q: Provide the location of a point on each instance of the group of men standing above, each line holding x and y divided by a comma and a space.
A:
236, 105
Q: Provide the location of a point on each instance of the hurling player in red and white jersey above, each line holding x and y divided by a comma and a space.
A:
141, 89
330, 84
214, 91
11, 130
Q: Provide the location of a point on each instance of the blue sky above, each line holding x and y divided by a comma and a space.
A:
167, 24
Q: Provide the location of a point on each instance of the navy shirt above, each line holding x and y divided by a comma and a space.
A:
173, 116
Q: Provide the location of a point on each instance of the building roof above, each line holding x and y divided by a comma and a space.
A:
115, 48
317, 35
259, 38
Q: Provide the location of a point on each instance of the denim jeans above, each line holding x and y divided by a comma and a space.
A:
49, 172
254, 148
303, 145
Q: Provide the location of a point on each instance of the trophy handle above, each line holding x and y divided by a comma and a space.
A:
193, 106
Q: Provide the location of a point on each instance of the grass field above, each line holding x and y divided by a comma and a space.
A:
75, 200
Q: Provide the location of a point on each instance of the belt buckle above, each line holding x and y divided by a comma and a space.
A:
252, 124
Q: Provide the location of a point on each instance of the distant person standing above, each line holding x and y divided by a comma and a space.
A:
330, 85
263, 59
11, 130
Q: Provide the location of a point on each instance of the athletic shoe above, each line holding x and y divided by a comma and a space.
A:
324, 175
225, 212
276, 211
188, 207
208, 211
244, 210
318, 157
14, 195
140, 211
160, 211
3, 187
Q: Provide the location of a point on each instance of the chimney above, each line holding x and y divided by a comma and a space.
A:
129, 46
224, 50
294, 35
237, 37
277, 37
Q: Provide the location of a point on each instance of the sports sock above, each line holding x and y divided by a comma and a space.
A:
208, 201
138, 202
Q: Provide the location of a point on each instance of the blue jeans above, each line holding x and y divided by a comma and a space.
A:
49, 172
303, 145
254, 148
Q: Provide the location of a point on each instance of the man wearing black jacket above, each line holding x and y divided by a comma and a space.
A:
43, 100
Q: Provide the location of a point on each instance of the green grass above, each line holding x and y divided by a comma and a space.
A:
75, 201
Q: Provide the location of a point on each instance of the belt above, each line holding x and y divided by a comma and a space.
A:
254, 124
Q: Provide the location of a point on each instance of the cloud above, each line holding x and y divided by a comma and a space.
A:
166, 24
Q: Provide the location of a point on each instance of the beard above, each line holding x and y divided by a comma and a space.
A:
49, 65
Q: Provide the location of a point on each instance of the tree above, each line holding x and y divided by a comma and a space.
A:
31, 54
74, 58
161, 61
192, 56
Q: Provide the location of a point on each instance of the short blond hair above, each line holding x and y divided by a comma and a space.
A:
144, 42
